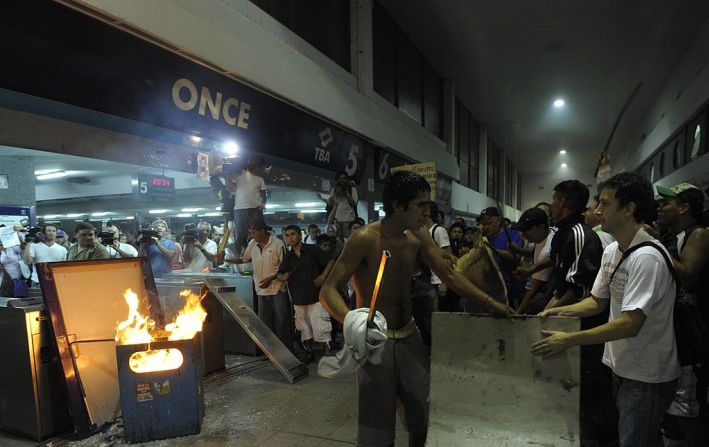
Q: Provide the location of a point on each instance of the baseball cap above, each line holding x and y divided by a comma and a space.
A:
259, 224
61, 233
218, 230
676, 190
531, 218
490, 212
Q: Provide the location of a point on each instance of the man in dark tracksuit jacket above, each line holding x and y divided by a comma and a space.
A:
576, 252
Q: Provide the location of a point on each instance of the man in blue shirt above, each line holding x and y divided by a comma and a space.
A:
158, 249
500, 239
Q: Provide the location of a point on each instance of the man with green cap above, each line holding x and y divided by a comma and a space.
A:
680, 210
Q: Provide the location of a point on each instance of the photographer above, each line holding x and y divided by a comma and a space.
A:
343, 202
157, 249
41, 247
199, 250
250, 200
110, 238
86, 247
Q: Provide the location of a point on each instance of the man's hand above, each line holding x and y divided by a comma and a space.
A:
522, 272
496, 308
442, 289
265, 283
554, 343
155, 239
116, 244
551, 312
197, 244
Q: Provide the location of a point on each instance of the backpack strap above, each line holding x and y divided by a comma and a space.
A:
687, 232
433, 231
627, 252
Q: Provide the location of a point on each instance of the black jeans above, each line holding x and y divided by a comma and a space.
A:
275, 312
241, 226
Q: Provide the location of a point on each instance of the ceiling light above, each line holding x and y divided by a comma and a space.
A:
46, 171
157, 211
195, 138
74, 215
562, 152
563, 165
129, 217
272, 205
184, 215
231, 148
99, 213
52, 216
313, 211
190, 210
306, 204
211, 214
559, 103
52, 175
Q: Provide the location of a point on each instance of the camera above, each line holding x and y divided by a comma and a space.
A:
34, 234
190, 233
147, 234
233, 165
107, 237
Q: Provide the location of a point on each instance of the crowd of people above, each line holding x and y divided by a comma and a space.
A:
628, 262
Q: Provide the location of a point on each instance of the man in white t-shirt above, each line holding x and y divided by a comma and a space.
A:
639, 336
199, 251
45, 251
534, 226
440, 235
118, 249
250, 199
343, 202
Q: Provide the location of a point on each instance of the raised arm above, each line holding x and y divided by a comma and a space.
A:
430, 254
354, 252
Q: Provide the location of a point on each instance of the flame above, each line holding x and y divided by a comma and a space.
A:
155, 360
137, 329
189, 320
205, 270
134, 329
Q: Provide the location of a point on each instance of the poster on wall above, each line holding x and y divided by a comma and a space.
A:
16, 215
426, 170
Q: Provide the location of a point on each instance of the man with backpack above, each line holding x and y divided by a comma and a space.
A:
680, 211
636, 282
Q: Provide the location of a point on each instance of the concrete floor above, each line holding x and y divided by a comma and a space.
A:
252, 405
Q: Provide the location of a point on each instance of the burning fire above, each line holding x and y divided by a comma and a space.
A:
138, 328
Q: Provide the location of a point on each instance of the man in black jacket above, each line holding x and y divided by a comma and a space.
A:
576, 252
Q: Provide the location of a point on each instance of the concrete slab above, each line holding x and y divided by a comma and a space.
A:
489, 390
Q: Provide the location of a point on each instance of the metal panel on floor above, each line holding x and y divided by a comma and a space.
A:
489, 390
287, 363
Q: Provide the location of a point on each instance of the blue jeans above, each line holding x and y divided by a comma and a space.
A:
641, 406
275, 312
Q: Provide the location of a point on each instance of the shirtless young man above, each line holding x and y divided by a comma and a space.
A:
403, 374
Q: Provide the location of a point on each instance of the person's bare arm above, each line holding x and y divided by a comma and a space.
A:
626, 326
456, 281
694, 257
354, 252
26, 256
585, 308
320, 279
535, 287
569, 297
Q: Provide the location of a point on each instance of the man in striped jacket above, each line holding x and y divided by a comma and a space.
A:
576, 252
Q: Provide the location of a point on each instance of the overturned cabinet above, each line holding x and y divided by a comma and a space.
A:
85, 301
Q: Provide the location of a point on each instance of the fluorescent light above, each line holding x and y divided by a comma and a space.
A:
211, 214
195, 139
268, 213
272, 205
157, 211
563, 165
52, 175
306, 204
129, 217
74, 215
52, 216
46, 171
559, 103
184, 215
134, 182
313, 211
219, 208
190, 210
562, 152
231, 148
100, 213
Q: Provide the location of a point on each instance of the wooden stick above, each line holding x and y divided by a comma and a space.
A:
372, 305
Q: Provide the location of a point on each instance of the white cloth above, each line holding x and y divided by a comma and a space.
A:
40, 252
541, 251
642, 282
266, 263
343, 210
440, 235
126, 248
248, 189
362, 344
606, 238
313, 321
199, 262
